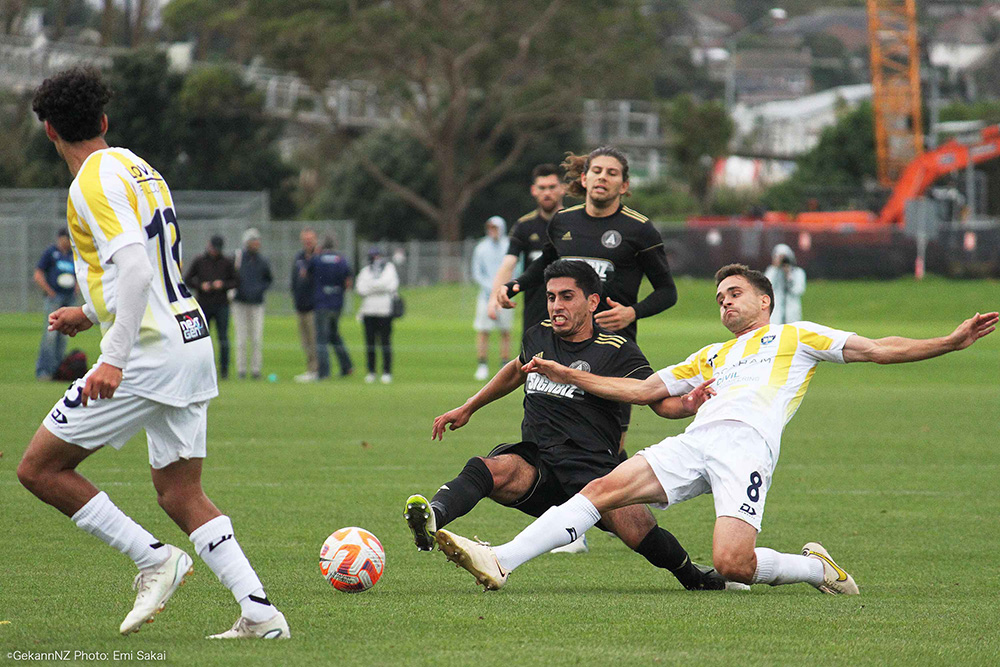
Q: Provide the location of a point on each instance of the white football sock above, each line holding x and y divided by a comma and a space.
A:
101, 518
776, 568
216, 543
558, 526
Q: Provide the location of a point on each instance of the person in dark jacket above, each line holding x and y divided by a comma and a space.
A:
56, 276
331, 278
212, 275
302, 297
254, 275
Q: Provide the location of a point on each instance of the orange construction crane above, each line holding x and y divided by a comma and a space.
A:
895, 64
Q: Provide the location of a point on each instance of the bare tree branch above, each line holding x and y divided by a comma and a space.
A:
401, 191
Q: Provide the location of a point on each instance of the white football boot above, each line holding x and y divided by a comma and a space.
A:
577, 546
835, 580
482, 372
244, 628
476, 557
154, 586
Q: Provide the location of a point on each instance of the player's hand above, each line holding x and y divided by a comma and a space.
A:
217, 284
69, 320
972, 329
695, 398
491, 307
616, 318
102, 383
206, 286
500, 294
553, 370
453, 419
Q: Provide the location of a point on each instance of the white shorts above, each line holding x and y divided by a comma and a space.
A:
728, 459
172, 433
503, 322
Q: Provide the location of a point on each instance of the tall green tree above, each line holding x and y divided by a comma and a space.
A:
226, 142
700, 133
474, 83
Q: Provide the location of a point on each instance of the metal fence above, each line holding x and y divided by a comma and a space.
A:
29, 220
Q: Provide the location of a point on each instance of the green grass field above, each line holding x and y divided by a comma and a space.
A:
893, 468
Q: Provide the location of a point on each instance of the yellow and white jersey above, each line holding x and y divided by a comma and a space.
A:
761, 377
116, 200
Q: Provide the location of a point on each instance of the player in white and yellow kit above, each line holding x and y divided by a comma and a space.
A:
731, 447
155, 371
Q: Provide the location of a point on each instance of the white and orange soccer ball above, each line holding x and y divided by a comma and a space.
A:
352, 560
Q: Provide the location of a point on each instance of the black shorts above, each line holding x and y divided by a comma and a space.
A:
563, 471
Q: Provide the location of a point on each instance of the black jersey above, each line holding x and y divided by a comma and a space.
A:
557, 414
621, 247
527, 239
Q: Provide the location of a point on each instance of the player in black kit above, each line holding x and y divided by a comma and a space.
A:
527, 239
569, 437
621, 244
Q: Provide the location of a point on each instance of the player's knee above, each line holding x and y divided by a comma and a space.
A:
734, 564
171, 500
599, 491
30, 476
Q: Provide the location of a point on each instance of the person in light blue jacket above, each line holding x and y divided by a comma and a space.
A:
486, 259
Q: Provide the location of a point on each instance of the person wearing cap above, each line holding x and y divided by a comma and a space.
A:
486, 260
377, 284
56, 276
211, 275
254, 274
789, 283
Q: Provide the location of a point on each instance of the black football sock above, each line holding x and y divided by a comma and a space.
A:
460, 495
662, 549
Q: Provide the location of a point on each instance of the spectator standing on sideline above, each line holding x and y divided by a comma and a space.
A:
486, 260
789, 283
55, 275
377, 284
302, 295
212, 275
254, 275
331, 278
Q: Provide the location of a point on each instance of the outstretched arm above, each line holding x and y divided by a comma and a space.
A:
509, 378
897, 350
624, 390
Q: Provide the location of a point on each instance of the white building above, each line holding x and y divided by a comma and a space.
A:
786, 129
768, 137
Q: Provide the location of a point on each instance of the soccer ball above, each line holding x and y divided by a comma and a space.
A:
352, 560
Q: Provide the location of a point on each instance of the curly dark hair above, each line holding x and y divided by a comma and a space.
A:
577, 165
756, 279
73, 102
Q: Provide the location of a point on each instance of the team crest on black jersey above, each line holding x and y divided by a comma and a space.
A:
581, 365
193, 326
611, 238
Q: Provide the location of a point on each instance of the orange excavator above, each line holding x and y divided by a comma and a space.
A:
919, 175
916, 178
